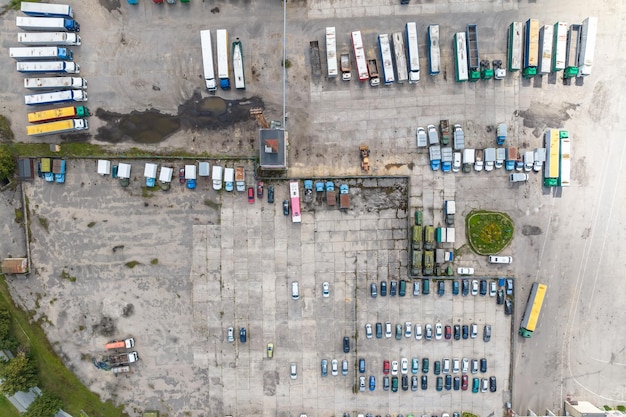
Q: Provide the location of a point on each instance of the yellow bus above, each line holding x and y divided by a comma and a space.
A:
533, 308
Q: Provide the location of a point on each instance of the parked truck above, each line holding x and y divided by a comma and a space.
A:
58, 114
417, 235
240, 179
344, 196
479, 164
41, 53
500, 157
459, 138
346, 73
473, 62
51, 67
58, 83
444, 129
61, 126
486, 72
56, 97
540, 159
316, 63
468, 160
501, 133
529, 160
446, 159
49, 38
122, 358
429, 238
499, 73
47, 24
531, 48
331, 194
120, 344
511, 157
372, 70
450, 211
429, 262
490, 159
435, 157
308, 191
572, 52
150, 174
416, 261
229, 179
47, 10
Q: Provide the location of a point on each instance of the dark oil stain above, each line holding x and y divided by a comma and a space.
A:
110, 5
528, 230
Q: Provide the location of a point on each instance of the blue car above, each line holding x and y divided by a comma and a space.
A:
362, 365
242, 335
372, 383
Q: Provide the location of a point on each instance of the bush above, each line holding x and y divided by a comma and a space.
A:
45, 405
7, 163
18, 374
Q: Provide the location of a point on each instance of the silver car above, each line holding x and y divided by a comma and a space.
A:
362, 383
231, 335
429, 331
368, 330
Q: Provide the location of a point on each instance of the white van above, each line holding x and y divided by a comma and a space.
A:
295, 291
518, 177
500, 259
229, 179
217, 177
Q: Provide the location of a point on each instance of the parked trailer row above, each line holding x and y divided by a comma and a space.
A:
49, 38
531, 49
331, 52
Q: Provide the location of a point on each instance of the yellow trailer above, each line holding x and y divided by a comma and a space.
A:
58, 114
62, 126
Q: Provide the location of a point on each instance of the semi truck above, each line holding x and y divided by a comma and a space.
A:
560, 46
511, 158
346, 73
429, 238
58, 114
473, 63
434, 53
459, 138
531, 48
434, 153
501, 133
207, 61
469, 157
400, 56
238, 67
120, 344
571, 56
331, 52
540, 159
122, 358
479, 163
240, 179
51, 67
47, 24
58, 169
429, 261
47, 10
490, 159
500, 157
546, 40
515, 46
444, 129
344, 196
223, 71
446, 159
49, 38
372, 70
587, 45
316, 63
54, 128
41, 53
75, 83
55, 97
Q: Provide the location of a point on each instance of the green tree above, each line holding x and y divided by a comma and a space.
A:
45, 405
7, 163
18, 374
5, 323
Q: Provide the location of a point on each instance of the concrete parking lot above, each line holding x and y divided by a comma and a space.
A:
220, 259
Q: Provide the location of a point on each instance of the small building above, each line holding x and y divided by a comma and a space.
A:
104, 167
15, 266
273, 149
26, 169
583, 409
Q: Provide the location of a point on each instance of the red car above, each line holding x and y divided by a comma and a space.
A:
181, 175
250, 195
386, 367
464, 382
259, 189
448, 332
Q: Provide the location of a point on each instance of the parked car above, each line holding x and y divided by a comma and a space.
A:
438, 331
362, 383
465, 331
344, 367
418, 332
408, 327
414, 365
324, 366
394, 384
448, 382
387, 330
509, 286
270, 350
465, 287
326, 290
259, 189
465, 271
464, 379
456, 365
500, 297
386, 367
394, 288
474, 287
346, 345
181, 175
402, 288
448, 332
424, 382
404, 366
379, 330
250, 195
394, 367
492, 289
439, 385
242, 335
483, 365
425, 365
485, 385
368, 330
457, 383
270, 194
425, 286
383, 288
508, 307
464, 365
414, 383
293, 370
457, 332
474, 366
405, 382
487, 333
437, 368
483, 287
446, 365
361, 365
441, 288
231, 335
492, 384
286, 207
455, 287
429, 332
416, 288
373, 291
474, 331
475, 385
398, 331
386, 383
372, 382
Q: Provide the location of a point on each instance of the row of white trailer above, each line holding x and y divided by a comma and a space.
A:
223, 67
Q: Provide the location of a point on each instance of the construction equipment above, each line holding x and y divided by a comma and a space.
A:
365, 160
257, 113
486, 73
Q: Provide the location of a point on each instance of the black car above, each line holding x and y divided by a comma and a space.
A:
464, 287
437, 367
487, 333
405, 382
508, 307
457, 383
483, 365
394, 288
270, 194
457, 332
483, 287
492, 384
286, 207
425, 365
500, 297
383, 288
346, 345
424, 382
465, 331
379, 330
441, 288
414, 383
242, 335
448, 382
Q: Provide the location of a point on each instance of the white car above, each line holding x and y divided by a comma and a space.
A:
455, 365
465, 271
404, 367
429, 331
368, 331
445, 366
407, 329
465, 366
387, 330
293, 371
362, 383
438, 332
334, 367
418, 332
474, 287
394, 368
325, 289
231, 335
492, 289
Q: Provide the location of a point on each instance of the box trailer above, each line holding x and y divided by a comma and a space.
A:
385, 59
49, 38
238, 67
56, 97
47, 10
559, 47
61, 126
63, 67
434, 53
41, 53
58, 114
531, 48
47, 24
58, 83
207, 61
546, 39
515, 46
400, 56
331, 52
413, 58
223, 72
587, 45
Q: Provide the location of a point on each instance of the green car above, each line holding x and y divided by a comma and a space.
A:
398, 332
425, 365
475, 385
437, 367
394, 384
